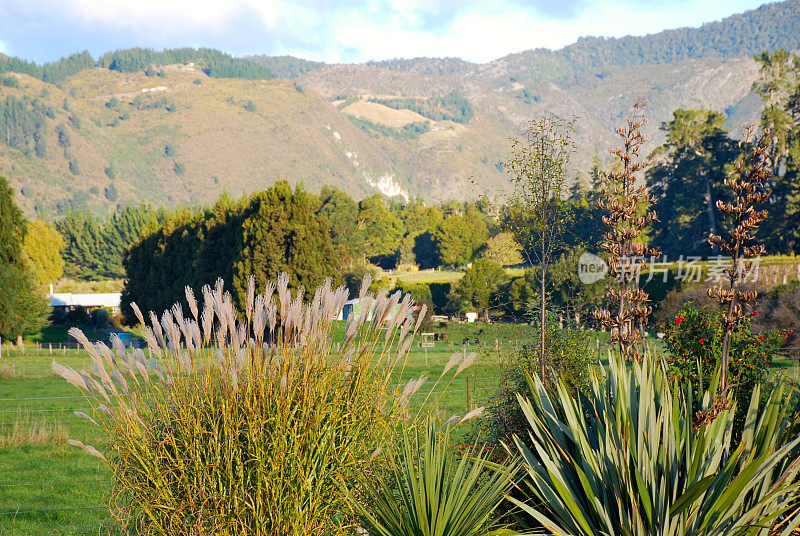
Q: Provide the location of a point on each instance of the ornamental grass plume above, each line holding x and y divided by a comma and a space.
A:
247, 423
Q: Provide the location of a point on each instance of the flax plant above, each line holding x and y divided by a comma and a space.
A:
247, 423
628, 460
430, 491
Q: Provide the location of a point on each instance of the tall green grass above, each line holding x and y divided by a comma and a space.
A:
248, 422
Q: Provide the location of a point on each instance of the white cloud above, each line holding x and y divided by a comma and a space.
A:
353, 30
488, 32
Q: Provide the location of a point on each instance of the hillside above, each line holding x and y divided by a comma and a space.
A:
141, 125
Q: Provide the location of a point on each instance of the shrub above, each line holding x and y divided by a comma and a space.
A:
693, 342
671, 305
247, 426
571, 358
78, 316
780, 310
628, 459
101, 318
111, 192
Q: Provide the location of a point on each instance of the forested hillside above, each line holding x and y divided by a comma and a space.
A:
182, 126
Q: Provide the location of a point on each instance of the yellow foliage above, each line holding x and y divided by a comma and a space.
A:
42, 248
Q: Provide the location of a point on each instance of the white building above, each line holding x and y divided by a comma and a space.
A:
111, 300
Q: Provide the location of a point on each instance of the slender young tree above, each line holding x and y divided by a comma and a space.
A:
628, 203
748, 182
540, 213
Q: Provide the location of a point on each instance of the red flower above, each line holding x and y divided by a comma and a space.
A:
678, 320
754, 313
702, 341
760, 337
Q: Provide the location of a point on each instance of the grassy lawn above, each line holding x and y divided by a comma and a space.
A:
54, 488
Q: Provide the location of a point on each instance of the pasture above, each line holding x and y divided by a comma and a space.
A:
49, 487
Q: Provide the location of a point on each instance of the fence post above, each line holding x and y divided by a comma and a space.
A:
467, 394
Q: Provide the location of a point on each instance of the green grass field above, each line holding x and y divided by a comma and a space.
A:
54, 488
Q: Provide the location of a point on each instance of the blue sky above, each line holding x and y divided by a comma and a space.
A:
339, 31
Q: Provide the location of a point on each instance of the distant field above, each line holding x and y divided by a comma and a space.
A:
384, 115
440, 276
88, 287
427, 276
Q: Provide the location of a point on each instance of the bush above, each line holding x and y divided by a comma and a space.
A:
629, 459
693, 343
111, 192
671, 305
79, 317
251, 426
101, 318
780, 310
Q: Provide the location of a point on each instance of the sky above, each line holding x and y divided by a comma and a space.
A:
343, 31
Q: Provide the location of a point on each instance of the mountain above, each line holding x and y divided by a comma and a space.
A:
182, 126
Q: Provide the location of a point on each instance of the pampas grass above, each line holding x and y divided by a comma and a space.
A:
248, 422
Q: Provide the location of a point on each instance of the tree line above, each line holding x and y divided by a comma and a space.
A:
53, 72
214, 63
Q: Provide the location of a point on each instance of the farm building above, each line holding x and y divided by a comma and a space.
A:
110, 300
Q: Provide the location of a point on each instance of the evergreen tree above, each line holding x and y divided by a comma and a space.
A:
779, 87
281, 232
278, 230
688, 180
481, 288
382, 231
341, 212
